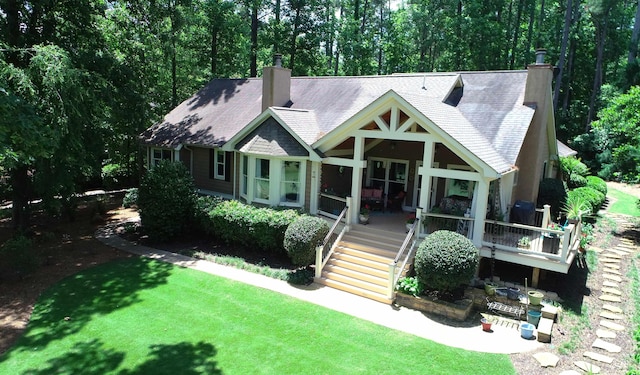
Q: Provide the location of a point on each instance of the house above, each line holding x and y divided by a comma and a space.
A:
459, 147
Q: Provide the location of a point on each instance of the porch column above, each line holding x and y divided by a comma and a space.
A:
425, 177
356, 178
480, 212
314, 197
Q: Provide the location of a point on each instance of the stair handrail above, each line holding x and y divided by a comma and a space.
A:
321, 257
409, 239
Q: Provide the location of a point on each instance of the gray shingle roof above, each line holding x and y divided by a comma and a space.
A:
489, 118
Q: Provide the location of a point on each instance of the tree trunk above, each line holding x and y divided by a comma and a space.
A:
294, 37
633, 46
214, 52
20, 198
563, 52
601, 35
540, 23
516, 33
253, 68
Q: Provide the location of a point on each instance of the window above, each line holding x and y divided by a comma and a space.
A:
290, 182
261, 187
218, 164
158, 154
245, 175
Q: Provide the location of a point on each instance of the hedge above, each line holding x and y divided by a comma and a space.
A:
597, 183
236, 223
302, 237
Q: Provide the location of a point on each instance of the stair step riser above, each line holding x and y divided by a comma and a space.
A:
361, 261
378, 241
353, 290
380, 289
362, 276
357, 267
361, 252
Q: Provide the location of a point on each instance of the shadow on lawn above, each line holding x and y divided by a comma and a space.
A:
92, 357
64, 309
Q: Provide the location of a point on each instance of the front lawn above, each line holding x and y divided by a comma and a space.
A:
140, 316
625, 204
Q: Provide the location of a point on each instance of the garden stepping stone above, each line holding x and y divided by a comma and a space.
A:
609, 260
610, 284
570, 372
611, 316
598, 357
588, 367
619, 252
605, 334
611, 325
610, 298
611, 348
614, 266
612, 308
546, 359
612, 255
596, 249
615, 291
612, 277
612, 271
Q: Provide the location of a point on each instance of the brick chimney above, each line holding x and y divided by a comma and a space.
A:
276, 84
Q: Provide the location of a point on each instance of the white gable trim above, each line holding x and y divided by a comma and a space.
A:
230, 145
394, 102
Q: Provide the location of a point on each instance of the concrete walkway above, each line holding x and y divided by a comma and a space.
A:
505, 337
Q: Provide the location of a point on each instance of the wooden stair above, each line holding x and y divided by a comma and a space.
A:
360, 262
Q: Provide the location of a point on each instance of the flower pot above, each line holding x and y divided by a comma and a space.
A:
533, 317
486, 324
535, 297
490, 288
364, 219
526, 330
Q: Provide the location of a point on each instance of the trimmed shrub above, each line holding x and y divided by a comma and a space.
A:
19, 257
302, 237
572, 166
241, 224
445, 260
204, 205
167, 201
553, 193
130, 198
575, 181
597, 183
594, 197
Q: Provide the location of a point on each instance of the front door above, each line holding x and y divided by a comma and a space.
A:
388, 174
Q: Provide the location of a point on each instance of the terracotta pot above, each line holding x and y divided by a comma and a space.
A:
486, 324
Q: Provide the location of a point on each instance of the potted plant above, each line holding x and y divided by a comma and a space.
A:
486, 324
524, 242
364, 214
575, 208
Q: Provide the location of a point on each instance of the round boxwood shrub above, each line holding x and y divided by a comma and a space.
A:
575, 181
594, 197
166, 199
301, 238
597, 183
446, 260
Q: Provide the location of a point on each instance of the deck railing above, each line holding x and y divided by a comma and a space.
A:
525, 239
460, 224
324, 250
408, 247
331, 205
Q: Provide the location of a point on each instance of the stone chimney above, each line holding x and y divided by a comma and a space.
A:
276, 84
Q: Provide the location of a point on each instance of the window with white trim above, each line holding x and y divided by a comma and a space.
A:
159, 154
244, 183
218, 164
290, 182
261, 180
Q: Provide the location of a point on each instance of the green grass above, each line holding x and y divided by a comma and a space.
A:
145, 317
625, 203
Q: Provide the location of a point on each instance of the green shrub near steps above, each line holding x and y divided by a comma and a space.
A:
302, 237
166, 199
597, 183
445, 260
594, 197
245, 225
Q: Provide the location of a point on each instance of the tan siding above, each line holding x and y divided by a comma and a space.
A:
201, 173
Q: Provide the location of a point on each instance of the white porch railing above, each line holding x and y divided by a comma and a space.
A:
325, 249
331, 205
408, 247
460, 224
